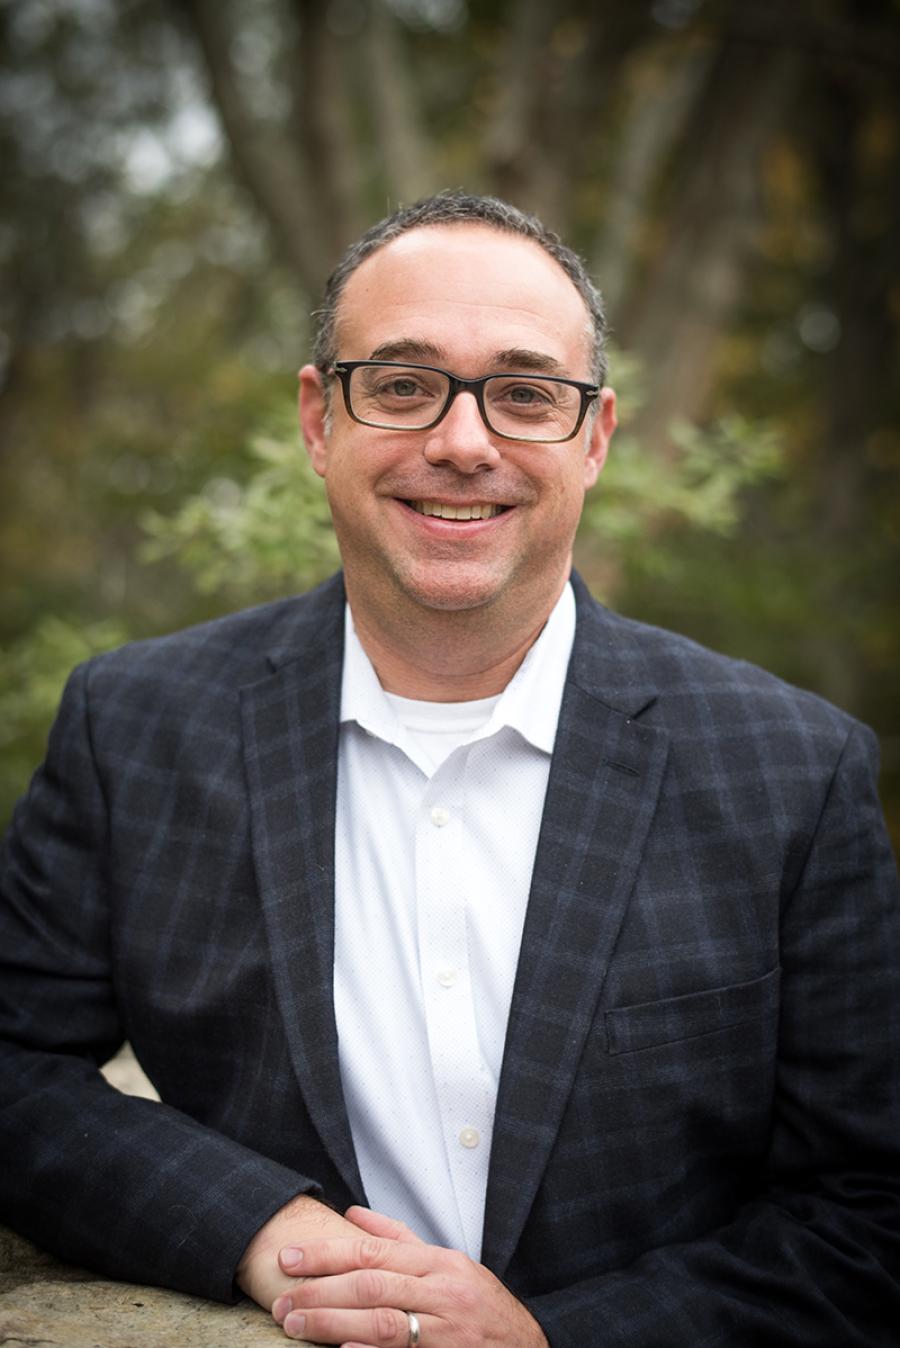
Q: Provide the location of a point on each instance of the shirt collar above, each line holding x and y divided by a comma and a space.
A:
532, 698
529, 703
362, 696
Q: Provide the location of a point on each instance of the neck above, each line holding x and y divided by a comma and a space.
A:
441, 656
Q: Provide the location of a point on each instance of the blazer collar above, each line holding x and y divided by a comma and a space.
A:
605, 777
290, 728
608, 663
311, 635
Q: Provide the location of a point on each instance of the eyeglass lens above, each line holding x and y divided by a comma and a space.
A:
525, 407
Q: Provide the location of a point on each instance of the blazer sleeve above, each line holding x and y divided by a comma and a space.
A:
131, 1187
813, 1258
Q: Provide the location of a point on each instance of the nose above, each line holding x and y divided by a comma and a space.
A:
462, 439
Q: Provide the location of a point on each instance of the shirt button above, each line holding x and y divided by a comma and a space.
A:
447, 976
440, 816
469, 1137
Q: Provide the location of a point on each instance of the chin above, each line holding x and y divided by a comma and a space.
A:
451, 594
449, 600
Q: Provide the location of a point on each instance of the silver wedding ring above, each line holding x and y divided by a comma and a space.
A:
413, 1339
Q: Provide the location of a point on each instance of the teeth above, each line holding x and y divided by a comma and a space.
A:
485, 511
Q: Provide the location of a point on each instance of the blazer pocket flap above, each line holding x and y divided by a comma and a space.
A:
649, 1023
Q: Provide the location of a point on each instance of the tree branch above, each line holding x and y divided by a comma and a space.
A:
323, 124
665, 84
405, 153
269, 165
508, 143
706, 232
560, 70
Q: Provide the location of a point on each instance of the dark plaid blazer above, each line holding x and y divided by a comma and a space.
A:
697, 1137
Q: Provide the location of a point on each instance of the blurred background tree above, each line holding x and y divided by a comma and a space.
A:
180, 176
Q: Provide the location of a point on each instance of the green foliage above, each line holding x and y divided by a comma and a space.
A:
268, 535
648, 499
33, 670
700, 486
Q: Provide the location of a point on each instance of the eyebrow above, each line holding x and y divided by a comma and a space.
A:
408, 348
520, 358
513, 358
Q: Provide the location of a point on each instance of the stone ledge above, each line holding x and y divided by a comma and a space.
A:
47, 1304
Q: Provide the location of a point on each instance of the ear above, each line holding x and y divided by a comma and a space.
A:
312, 409
605, 422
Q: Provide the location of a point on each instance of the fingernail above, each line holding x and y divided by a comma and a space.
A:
291, 1255
295, 1324
281, 1308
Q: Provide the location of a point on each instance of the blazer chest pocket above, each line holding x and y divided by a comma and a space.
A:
649, 1024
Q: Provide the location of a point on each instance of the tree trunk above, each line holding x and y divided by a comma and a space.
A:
407, 158
706, 234
266, 161
323, 130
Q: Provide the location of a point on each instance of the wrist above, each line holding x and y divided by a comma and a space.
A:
258, 1274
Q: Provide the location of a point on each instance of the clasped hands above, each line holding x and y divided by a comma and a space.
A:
361, 1278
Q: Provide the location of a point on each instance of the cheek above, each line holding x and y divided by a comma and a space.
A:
357, 465
568, 489
343, 489
345, 471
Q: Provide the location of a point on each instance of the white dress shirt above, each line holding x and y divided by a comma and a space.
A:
438, 811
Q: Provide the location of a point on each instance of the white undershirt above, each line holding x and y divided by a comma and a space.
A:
438, 811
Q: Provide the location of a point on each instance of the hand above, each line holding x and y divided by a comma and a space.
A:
258, 1274
358, 1291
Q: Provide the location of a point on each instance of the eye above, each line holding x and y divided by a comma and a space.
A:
403, 385
399, 388
521, 397
526, 395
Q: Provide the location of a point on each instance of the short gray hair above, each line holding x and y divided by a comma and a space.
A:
458, 207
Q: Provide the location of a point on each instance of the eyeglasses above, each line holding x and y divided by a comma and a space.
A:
399, 397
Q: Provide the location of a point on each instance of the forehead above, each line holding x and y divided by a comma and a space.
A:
468, 290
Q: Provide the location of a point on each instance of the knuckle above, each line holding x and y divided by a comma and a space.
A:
388, 1324
458, 1264
370, 1253
370, 1287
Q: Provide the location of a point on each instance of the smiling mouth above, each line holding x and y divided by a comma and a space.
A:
484, 510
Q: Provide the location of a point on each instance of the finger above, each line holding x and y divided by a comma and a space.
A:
377, 1224
383, 1327
317, 1258
363, 1289
290, 1258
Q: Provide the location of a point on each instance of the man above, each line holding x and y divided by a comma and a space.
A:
570, 947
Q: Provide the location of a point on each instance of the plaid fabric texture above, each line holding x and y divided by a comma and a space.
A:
697, 1138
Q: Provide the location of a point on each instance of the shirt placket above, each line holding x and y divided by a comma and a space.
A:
444, 881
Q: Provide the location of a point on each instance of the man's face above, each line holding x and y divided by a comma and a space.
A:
472, 300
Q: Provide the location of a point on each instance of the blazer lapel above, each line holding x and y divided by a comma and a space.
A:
290, 726
601, 796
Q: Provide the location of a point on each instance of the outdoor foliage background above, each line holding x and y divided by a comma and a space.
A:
180, 176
